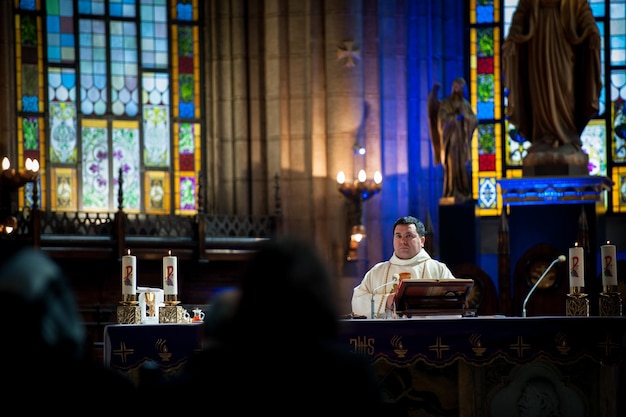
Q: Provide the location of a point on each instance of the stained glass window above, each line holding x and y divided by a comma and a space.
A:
111, 70
499, 149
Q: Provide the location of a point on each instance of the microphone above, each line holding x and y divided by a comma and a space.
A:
561, 258
394, 279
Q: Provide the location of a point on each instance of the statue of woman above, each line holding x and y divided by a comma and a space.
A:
452, 124
551, 64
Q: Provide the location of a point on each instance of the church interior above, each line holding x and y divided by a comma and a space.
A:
201, 129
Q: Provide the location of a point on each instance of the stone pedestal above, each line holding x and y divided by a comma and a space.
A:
558, 211
459, 234
555, 162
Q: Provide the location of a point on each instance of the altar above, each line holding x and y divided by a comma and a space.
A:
475, 366
446, 366
129, 347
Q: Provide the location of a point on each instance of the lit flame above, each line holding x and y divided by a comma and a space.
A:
6, 164
341, 177
362, 176
378, 177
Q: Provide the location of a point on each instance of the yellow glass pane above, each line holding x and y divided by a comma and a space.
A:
63, 186
157, 196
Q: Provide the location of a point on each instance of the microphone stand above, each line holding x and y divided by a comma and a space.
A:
393, 281
561, 258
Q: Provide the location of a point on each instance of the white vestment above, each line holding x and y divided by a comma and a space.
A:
420, 266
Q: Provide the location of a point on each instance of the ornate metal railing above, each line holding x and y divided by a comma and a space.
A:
112, 231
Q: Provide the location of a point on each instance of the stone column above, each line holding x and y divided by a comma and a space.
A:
7, 82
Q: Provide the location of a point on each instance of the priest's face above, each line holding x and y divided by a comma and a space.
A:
406, 241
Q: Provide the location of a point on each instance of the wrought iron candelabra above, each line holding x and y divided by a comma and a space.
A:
358, 191
10, 181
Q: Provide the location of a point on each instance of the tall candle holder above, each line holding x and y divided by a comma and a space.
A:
358, 191
610, 303
129, 314
577, 303
10, 180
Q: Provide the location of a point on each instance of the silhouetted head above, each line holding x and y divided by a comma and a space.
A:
38, 305
287, 293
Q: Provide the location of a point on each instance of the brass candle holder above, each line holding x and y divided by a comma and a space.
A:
171, 299
171, 314
129, 310
577, 303
129, 314
129, 299
609, 301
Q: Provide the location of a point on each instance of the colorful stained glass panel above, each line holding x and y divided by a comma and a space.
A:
157, 196
63, 140
95, 160
63, 188
126, 156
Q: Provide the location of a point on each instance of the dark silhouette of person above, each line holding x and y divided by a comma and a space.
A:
274, 346
44, 349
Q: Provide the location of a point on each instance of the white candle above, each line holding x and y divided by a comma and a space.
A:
129, 274
170, 285
609, 264
576, 268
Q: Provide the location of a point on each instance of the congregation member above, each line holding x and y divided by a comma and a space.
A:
273, 344
44, 350
409, 256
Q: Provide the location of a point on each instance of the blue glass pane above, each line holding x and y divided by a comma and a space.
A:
53, 24
184, 11
186, 110
485, 111
484, 14
597, 7
67, 39
54, 53
30, 103
66, 8
27, 4
93, 7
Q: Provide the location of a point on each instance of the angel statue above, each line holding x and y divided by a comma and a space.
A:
451, 124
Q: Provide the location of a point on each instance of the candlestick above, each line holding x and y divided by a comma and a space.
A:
576, 270
129, 277
609, 265
170, 274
